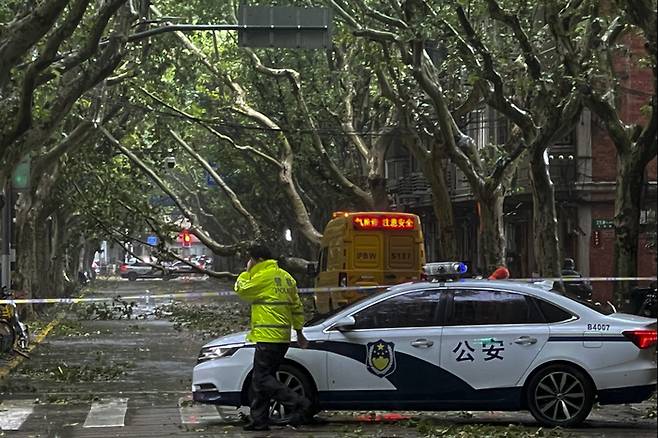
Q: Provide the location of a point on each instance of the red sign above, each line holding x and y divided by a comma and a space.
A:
364, 222
596, 239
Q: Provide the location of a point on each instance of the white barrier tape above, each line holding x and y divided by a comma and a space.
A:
581, 279
113, 298
307, 290
170, 296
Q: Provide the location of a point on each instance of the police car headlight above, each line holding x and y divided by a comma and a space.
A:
210, 353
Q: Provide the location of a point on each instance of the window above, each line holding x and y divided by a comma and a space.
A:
414, 309
482, 307
552, 313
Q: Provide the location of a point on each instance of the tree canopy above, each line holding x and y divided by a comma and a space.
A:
265, 140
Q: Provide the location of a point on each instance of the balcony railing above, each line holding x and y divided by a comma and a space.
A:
411, 190
414, 190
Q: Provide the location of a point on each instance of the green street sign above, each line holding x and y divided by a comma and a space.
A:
602, 224
20, 178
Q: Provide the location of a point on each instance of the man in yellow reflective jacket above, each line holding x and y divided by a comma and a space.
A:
275, 310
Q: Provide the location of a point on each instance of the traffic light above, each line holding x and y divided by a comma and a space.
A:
186, 238
20, 178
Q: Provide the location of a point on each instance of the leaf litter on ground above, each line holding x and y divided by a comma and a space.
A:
207, 320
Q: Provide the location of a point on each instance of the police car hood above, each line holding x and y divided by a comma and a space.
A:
233, 338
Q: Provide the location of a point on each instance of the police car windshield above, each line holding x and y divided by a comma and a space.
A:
319, 318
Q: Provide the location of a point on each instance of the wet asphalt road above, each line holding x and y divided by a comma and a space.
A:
131, 378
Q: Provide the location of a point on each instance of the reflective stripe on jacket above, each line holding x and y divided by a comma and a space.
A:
275, 304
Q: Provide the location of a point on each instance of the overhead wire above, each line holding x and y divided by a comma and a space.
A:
488, 123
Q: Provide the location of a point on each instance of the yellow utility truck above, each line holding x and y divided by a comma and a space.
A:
367, 249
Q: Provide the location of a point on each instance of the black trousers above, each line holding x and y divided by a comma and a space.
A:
265, 386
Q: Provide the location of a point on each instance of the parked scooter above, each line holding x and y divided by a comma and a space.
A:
13, 333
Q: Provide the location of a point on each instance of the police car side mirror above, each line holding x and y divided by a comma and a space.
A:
345, 324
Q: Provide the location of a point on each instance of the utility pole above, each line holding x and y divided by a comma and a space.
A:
5, 250
19, 182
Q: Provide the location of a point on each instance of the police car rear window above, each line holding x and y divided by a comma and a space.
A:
552, 313
602, 308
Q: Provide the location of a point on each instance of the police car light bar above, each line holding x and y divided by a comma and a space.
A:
444, 269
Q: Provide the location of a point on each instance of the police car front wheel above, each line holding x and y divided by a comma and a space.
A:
560, 395
297, 381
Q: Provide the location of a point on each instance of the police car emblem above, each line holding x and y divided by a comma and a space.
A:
380, 358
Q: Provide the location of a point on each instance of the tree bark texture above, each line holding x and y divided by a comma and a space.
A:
491, 238
57, 267
442, 206
25, 254
377, 187
628, 202
431, 166
544, 217
42, 255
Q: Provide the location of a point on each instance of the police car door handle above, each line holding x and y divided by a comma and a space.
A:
422, 343
525, 340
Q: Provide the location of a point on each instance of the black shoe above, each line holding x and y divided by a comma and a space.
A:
296, 420
299, 419
315, 421
255, 427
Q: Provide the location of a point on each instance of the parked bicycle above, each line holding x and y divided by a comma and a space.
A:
13, 333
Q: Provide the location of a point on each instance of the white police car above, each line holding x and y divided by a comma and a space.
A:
468, 344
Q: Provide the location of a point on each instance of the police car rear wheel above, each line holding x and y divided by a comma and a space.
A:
560, 395
297, 381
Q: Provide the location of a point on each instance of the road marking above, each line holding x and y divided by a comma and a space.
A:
107, 413
13, 413
195, 413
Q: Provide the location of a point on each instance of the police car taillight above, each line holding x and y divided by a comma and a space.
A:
444, 269
642, 338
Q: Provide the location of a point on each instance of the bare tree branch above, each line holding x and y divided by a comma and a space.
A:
22, 34
511, 20
204, 124
379, 16
91, 44
23, 118
359, 30
189, 214
233, 198
518, 116
295, 83
643, 15
607, 113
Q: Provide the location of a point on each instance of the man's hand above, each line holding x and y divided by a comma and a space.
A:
250, 263
301, 340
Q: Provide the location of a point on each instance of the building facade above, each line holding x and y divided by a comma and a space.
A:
583, 169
